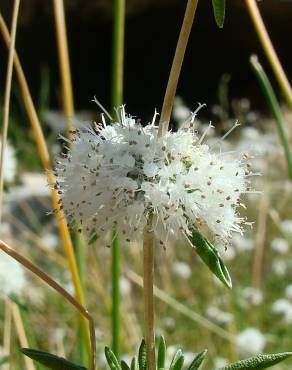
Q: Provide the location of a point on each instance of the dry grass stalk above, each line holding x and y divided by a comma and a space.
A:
7, 94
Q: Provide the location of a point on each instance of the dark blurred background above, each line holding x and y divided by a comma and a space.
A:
152, 28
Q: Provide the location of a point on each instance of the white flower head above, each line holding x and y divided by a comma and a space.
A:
250, 341
124, 173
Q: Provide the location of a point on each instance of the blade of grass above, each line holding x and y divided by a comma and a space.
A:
275, 109
52, 283
176, 66
64, 63
269, 50
7, 94
45, 159
116, 101
21, 333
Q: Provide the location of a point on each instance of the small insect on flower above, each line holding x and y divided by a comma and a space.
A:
123, 173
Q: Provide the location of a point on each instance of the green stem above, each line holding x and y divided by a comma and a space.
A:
275, 109
81, 265
117, 100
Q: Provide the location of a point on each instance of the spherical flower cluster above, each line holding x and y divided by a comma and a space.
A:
124, 174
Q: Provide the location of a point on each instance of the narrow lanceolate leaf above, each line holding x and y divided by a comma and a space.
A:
219, 11
134, 364
197, 361
124, 365
258, 362
112, 361
50, 361
210, 256
177, 361
161, 353
142, 356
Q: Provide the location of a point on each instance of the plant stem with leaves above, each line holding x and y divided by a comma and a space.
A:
116, 101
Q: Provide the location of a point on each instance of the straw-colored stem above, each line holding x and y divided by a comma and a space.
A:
21, 334
64, 63
52, 283
269, 50
148, 262
260, 240
176, 66
7, 94
45, 159
116, 101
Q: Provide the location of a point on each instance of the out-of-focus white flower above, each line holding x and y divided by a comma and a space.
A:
288, 291
188, 358
12, 277
50, 240
286, 226
121, 174
253, 296
279, 267
125, 286
182, 270
284, 307
280, 245
242, 244
169, 322
180, 112
9, 163
220, 362
219, 316
250, 342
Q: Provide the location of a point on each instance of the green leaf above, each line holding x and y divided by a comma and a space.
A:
177, 361
197, 361
50, 361
112, 361
219, 11
258, 362
210, 256
124, 365
161, 353
134, 364
142, 356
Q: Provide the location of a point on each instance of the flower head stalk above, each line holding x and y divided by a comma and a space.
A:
124, 173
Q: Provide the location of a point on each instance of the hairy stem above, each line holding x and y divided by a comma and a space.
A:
269, 50
176, 66
116, 101
148, 244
